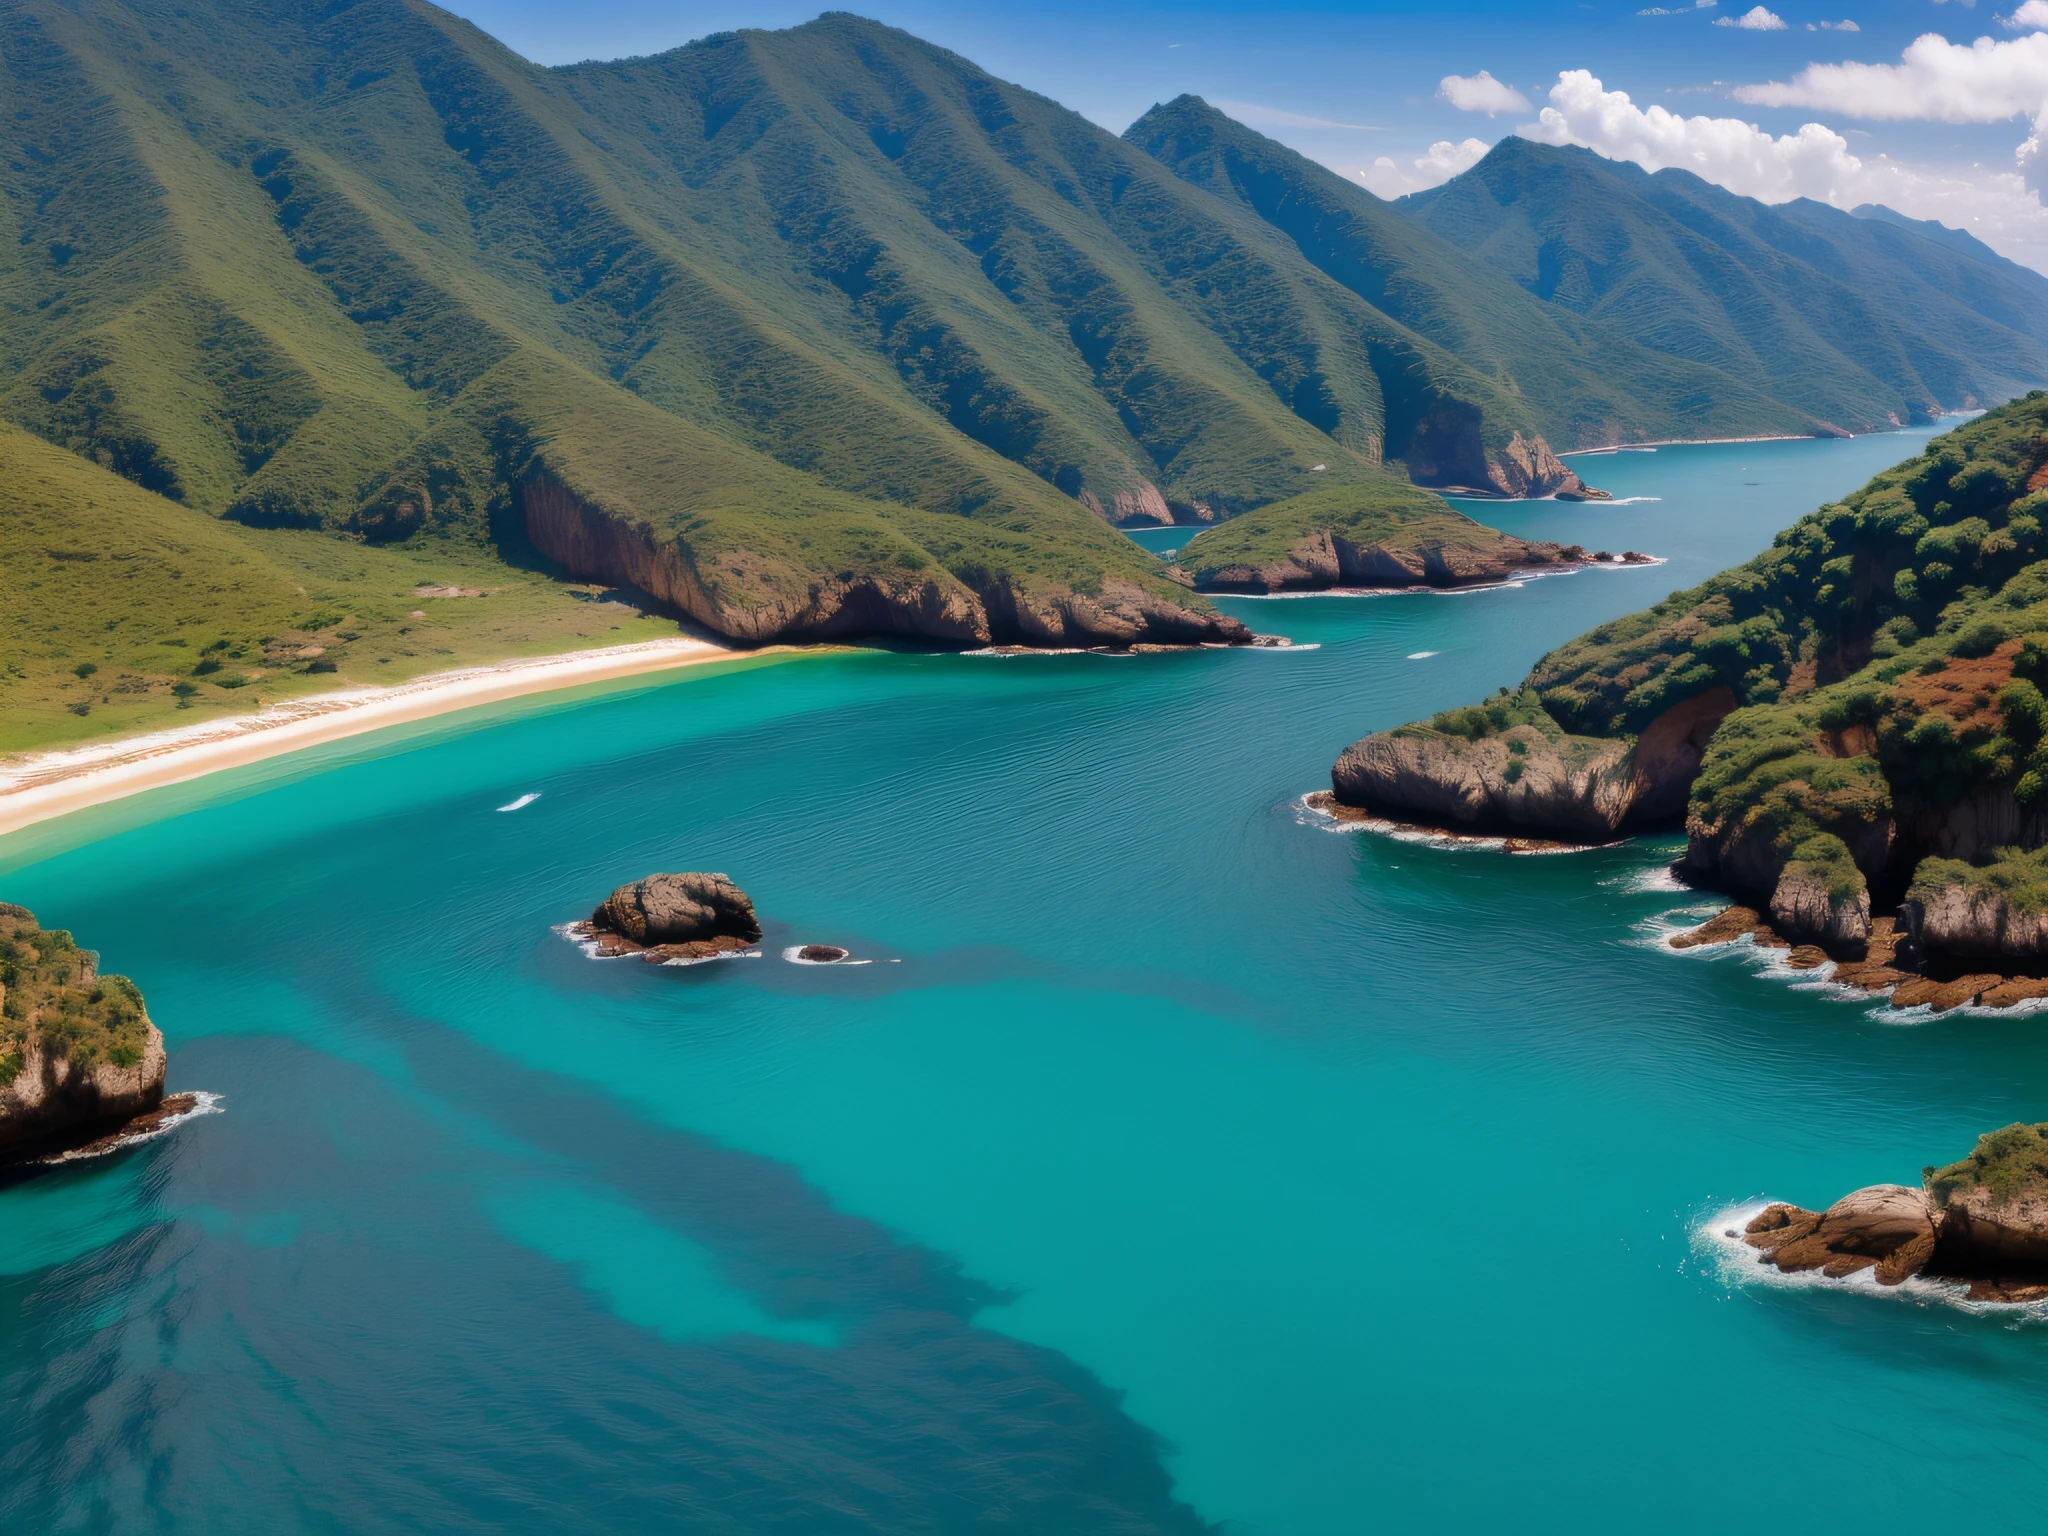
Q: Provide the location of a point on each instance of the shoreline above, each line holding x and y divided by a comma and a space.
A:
40, 786
1710, 442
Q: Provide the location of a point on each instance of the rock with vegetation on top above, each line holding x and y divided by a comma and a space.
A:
1862, 701
1982, 1222
1993, 1207
1994, 911
1505, 765
78, 1054
1821, 898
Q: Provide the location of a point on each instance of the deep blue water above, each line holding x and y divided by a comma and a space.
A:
1177, 1162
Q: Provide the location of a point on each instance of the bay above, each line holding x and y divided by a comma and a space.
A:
1175, 1161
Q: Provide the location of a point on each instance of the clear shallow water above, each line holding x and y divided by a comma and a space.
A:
1191, 1163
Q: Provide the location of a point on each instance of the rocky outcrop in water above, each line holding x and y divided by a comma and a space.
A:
1887, 1227
689, 916
749, 598
1527, 468
1523, 778
78, 1053
1446, 451
1981, 1222
1326, 559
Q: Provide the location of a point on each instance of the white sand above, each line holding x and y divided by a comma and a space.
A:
41, 785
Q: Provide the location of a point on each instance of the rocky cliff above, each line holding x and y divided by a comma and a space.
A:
1505, 766
1981, 1222
753, 598
78, 1054
1374, 533
1857, 711
1447, 452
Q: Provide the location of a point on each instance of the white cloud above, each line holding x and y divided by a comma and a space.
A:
1936, 79
1850, 26
1687, 10
1444, 160
2033, 14
2000, 208
1755, 19
1483, 93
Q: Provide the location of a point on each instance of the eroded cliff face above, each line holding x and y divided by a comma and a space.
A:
755, 601
1804, 910
1141, 507
1579, 787
1975, 923
53, 1097
1447, 451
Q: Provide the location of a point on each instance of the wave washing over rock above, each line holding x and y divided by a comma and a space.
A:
1977, 1227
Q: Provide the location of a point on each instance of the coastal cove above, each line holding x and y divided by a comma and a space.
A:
1193, 1163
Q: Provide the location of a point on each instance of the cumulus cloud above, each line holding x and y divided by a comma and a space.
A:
1444, 160
1985, 82
1850, 26
1755, 19
1725, 150
1483, 93
1815, 162
2033, 15
1697, 5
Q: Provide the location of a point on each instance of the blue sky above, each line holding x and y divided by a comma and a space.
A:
1361, 86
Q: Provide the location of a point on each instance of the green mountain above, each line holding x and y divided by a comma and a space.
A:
806, 333
1856, 321
1581, 384
1858, 710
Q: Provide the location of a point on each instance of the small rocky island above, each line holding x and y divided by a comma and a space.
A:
671, 918
80, 1062
1981, 1222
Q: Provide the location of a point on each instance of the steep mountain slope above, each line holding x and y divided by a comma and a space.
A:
1583, 384
1858, 322
1858, 710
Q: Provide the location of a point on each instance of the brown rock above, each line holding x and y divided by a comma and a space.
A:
1871, 978
1888, 1227
1807, 957
821, 954
1941, 995
678, 909
1807, 912
2014, 989
1723, 927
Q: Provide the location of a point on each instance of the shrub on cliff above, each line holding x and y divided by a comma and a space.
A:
2009, 1163
50, 991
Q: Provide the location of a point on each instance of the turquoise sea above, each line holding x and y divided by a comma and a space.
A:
1177, 1163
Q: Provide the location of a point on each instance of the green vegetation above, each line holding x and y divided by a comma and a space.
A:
1825, 858
2012, 1163
1582, 384
326, 290
2017, 876
118, 607
1377, 510
50, 991
1886, 657
1854, 321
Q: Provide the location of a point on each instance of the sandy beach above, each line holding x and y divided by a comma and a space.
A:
37, 786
